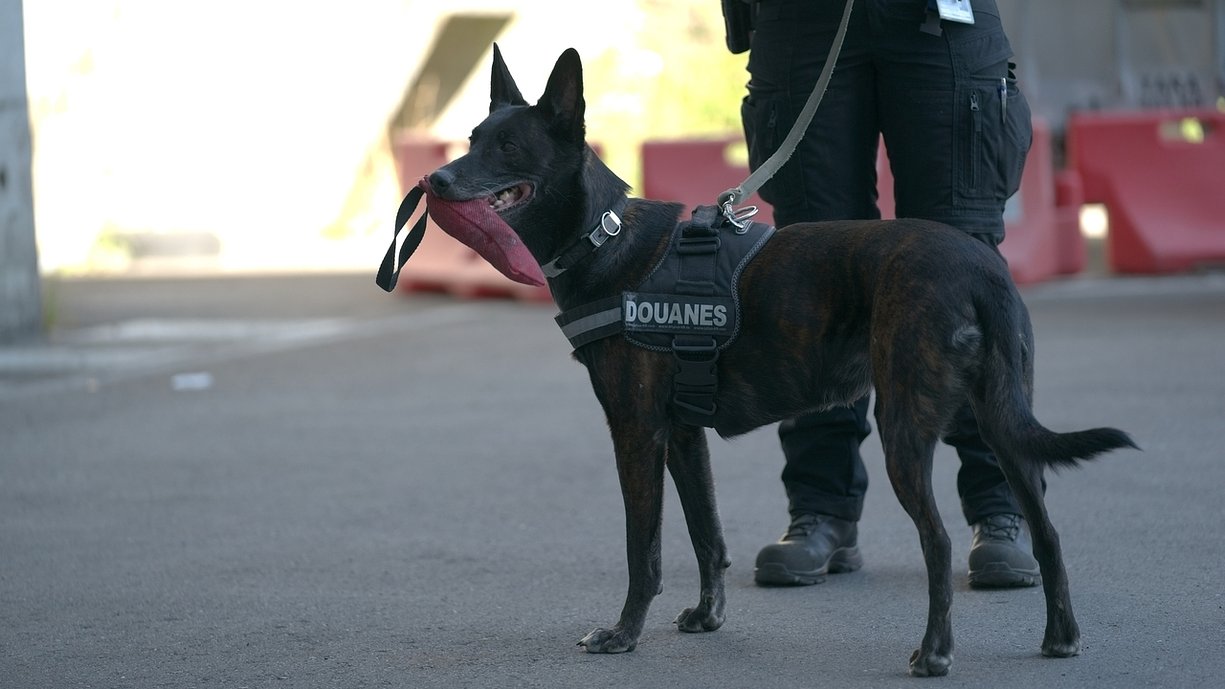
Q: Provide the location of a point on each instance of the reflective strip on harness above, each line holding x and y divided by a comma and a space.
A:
591, 322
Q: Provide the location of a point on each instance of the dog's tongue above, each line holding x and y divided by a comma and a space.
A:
475, 224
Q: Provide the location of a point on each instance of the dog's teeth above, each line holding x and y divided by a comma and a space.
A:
504, 198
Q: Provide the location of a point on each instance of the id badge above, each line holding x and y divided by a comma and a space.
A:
956, 11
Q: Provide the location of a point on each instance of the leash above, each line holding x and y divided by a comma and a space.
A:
389, 270
767, 169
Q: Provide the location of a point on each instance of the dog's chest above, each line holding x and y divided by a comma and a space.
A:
693, 290
688, 305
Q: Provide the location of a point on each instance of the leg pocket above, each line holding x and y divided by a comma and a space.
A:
766, 121
995, 130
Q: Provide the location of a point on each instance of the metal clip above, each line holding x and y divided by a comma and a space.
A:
738, 217
610, 226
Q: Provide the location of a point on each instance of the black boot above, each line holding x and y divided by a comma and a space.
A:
1001, 555
814, 545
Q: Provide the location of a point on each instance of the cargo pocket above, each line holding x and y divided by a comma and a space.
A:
996, 134
766, 123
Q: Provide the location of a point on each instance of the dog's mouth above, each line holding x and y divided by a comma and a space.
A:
510, 197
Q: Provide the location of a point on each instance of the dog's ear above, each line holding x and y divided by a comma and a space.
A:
502, 89
563, 101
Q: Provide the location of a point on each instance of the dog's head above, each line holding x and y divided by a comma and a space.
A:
516, 151
528, 169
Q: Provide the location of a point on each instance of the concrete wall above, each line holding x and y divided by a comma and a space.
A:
20, 305
1093, 54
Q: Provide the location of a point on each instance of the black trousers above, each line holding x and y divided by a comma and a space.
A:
956, 129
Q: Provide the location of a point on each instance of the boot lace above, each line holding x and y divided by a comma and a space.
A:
1002, 527
801, 526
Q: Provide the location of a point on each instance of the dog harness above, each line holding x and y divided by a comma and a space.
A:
688, 305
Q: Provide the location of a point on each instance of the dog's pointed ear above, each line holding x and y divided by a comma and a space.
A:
563, 101
502, 89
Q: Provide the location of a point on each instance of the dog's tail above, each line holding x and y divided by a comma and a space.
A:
1003, 397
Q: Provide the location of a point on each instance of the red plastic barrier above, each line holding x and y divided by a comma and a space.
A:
442, 264
694, 172
1161, 176
1041, 237
1071, 255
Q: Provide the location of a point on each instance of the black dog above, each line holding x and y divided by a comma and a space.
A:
916, 310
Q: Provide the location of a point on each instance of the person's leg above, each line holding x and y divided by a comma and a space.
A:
831, 175
957, 130
825, 481
824, 473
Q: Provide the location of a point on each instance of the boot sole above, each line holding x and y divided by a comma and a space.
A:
778, 574
999, 575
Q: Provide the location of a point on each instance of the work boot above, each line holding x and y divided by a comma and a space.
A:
1001, 555
814, 545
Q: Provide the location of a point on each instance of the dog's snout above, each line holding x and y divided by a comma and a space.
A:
441, 179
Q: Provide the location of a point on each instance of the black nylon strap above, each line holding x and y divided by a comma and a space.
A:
389, 271
697, 247
592, 321
695, 380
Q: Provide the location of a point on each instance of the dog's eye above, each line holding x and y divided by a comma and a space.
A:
509, 147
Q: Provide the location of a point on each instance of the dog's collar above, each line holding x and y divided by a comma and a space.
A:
609, 226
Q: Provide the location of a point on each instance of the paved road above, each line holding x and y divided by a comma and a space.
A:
302, 482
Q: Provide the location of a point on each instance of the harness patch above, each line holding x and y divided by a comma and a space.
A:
671, 313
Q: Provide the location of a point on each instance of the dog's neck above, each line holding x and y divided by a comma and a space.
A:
602, 189
622, 261
597, 190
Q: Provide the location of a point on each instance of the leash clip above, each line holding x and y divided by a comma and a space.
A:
738, 217
610, 226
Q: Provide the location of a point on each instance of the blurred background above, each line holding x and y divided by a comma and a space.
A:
224, 136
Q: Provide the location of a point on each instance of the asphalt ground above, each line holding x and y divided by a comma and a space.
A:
299, 481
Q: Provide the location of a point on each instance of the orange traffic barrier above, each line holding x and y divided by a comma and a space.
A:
1042, 235
1071, 255
1161, 175
441, 263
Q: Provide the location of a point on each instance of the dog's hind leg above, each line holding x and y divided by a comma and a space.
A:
1062, 636
689, 464
640, 451
908, 458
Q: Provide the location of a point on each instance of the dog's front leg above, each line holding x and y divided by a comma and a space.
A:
689, 464
640, 453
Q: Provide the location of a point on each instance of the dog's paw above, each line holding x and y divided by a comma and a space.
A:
930, 664
1061, 649
608, 641
699, 619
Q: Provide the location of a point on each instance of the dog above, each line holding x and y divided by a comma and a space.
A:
918, 311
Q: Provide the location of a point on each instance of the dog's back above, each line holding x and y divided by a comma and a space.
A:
823, 282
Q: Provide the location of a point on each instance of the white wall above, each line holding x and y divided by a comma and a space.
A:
248, 120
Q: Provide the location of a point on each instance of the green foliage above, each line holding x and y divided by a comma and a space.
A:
675, 80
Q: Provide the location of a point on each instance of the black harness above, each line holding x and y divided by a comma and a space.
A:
688, 305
